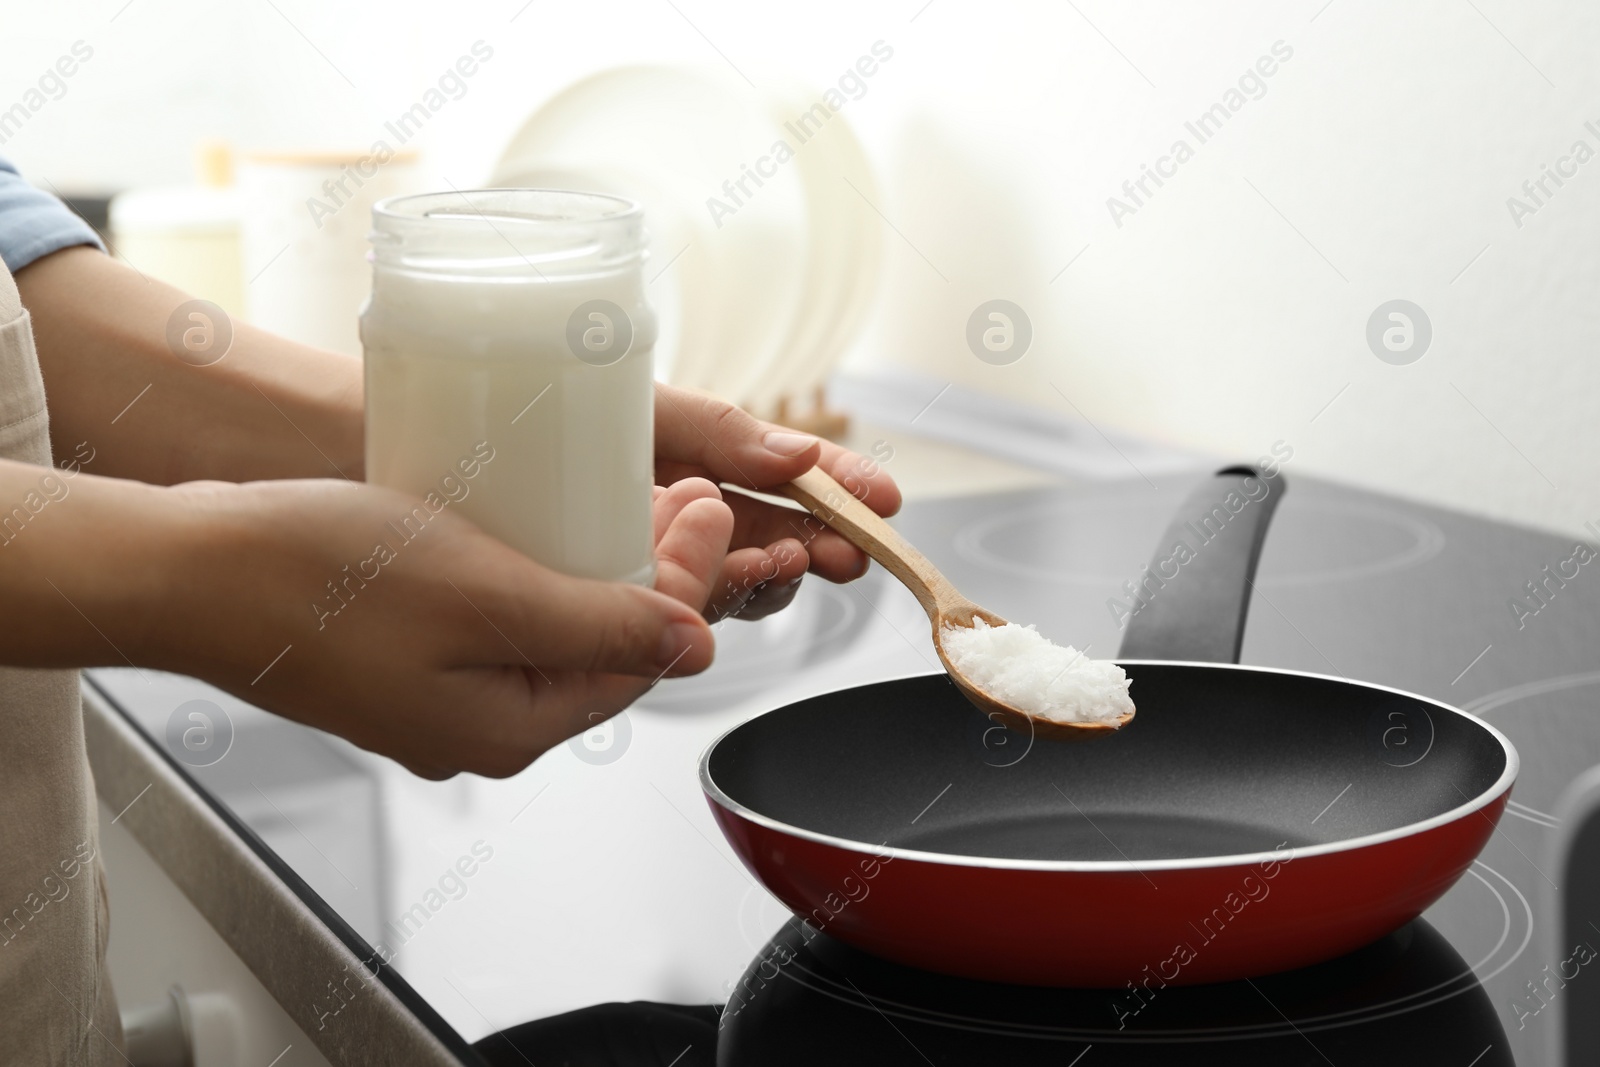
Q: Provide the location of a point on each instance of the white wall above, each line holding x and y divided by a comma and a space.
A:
1389, 143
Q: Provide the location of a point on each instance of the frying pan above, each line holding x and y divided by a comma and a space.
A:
1247, 821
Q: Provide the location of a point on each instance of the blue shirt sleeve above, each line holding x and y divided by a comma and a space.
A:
33, 223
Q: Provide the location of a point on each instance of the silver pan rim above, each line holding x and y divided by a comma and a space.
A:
1500, 787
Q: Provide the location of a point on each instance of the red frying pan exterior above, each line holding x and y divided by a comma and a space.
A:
1110, 928
1205, 733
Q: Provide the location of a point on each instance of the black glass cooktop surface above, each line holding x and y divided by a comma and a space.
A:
616, 886
1350, 584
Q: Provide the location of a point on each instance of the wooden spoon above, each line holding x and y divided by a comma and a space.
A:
831, 504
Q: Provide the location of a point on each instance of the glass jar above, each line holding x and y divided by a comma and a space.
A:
508, 371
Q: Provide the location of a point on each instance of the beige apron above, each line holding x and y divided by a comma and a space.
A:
56, 1003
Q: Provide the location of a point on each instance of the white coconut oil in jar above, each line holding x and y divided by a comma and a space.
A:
512, 324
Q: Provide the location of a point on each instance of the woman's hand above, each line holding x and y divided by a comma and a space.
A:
699, 436
416, 635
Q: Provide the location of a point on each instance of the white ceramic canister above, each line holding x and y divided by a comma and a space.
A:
303, 237
512, 324
187, 236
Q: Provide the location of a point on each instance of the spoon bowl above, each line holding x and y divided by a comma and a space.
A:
835, 507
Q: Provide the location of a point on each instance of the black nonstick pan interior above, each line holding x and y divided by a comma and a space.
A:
1221, 760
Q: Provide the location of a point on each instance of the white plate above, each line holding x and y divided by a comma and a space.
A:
846, 248
670, 137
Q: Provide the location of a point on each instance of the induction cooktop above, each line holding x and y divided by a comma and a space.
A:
1487, 616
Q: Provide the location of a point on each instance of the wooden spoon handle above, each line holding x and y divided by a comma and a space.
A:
834, 506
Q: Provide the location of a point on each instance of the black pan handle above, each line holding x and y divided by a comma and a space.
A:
1190, 602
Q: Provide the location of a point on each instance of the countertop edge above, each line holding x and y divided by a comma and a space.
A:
294, 955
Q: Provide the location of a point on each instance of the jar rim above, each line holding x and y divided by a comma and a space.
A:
473, 230
518, 206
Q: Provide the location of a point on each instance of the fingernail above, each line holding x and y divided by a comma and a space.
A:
787, 445
676, 642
